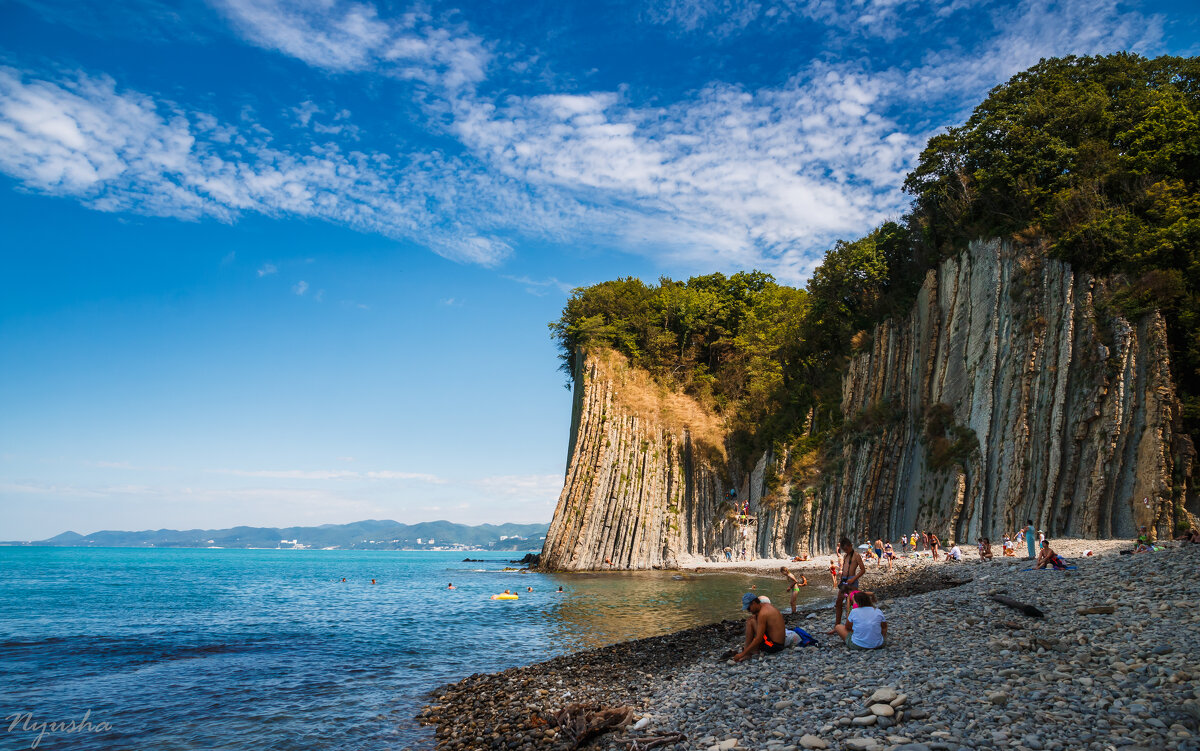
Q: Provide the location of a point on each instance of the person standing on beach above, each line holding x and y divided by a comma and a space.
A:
925, 539
933, 544
852, 570
1028, 531
793, 585
833, 571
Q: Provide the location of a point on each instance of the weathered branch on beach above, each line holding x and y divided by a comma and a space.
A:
653, 741
1028, 610
581, 723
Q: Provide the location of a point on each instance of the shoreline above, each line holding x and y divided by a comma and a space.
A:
676, 684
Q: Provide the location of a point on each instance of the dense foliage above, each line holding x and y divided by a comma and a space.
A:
1099, 157
1095, 159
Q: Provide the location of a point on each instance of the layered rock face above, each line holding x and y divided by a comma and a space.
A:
645, 475
1012, 391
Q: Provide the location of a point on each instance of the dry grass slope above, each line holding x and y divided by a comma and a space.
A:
639, 393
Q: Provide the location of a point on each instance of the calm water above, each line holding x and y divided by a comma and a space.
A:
269, 649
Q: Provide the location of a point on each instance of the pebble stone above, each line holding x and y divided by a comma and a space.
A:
962, 671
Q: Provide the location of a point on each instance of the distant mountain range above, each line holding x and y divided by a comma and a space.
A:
371, 534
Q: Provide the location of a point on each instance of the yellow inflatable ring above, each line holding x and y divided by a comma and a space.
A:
504, 597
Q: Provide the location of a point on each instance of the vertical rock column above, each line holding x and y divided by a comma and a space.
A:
637, 494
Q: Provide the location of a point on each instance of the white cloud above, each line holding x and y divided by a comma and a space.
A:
289, 474
122, 151
300, 288
540, 287
330, 474
418, 476
267, 269
348, 36
729, 177
539, 490
885, 19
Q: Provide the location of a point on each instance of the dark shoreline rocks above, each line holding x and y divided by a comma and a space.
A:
507, 710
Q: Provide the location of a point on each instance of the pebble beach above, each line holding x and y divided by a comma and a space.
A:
1111, 665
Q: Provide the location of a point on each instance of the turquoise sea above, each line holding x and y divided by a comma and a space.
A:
270, 649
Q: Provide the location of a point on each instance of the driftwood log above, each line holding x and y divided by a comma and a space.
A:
653, 741
582, 723
1028, 610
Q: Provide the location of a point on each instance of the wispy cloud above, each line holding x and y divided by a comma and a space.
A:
541, 286
350, 36
300, 288
885, 19
330, 474
536, 489
267, 269
730, 176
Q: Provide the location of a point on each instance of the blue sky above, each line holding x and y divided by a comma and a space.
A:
292, 263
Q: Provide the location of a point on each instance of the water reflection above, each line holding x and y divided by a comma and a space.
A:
600, 609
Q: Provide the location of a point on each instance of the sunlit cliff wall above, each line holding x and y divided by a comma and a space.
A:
1012, 390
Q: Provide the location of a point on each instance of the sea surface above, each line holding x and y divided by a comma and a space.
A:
271, 649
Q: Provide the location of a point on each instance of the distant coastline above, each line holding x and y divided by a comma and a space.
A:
370, 534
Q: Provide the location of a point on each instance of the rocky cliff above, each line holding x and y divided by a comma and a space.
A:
645, 474
1014, 390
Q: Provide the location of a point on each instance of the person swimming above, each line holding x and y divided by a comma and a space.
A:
560, 590
529, 589
450, 585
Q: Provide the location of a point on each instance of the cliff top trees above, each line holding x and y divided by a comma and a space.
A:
1100, 158
1096, 157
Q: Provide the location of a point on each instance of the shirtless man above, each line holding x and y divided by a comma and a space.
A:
852, 570
878, 553
1047, 557
764, 629
793, 586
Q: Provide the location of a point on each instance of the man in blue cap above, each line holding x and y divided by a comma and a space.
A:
764, 628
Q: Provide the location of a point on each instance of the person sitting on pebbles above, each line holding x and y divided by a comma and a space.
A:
764, 629
1009, 549
866, 626
955, 554
985, 549
1047, 557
